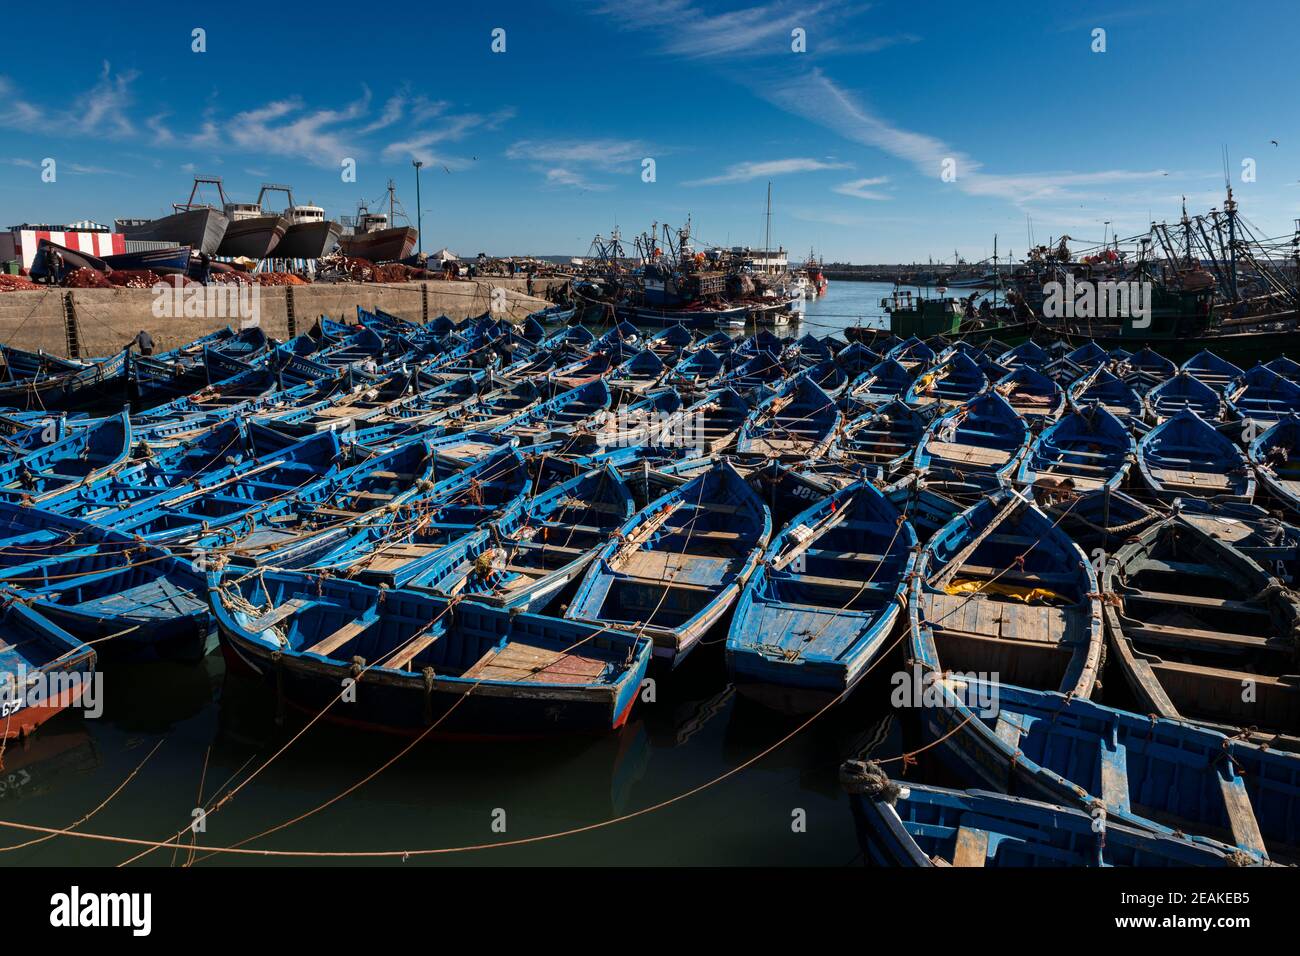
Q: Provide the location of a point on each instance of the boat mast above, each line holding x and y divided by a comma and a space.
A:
767, 238
1230, 210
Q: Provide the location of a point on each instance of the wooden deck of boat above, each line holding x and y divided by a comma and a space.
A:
980, 617
968, 454
1195, 480
525, 663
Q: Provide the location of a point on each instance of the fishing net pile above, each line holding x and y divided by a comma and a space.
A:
279, 279
10, 283
86, 279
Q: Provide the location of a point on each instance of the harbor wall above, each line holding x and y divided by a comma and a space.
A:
108, 320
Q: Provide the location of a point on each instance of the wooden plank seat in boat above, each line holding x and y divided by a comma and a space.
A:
402, 658
278, 614
604, 507
967, 454
334, 641
523, 663
838, 584
1195, 600
547, 546
335, 512
392, 475
373, 495
830, 555
1013, 574
1180, 567
972, 847
1185, 637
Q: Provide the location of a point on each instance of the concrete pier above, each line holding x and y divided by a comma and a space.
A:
108, 319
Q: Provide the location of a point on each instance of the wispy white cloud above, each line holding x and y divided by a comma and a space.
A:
101, 111
860, 188
690, 29
453, 128
286, 128
747, 171
815, 97
571, 162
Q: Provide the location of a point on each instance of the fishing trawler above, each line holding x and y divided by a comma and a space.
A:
199, 226
375, 238
252, 232
308, 234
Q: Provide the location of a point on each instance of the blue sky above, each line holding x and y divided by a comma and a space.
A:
536, 149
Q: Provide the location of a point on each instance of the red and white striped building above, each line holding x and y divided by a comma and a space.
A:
20, 242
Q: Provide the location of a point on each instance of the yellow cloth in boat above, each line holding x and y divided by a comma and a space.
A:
924, 382
1017, 592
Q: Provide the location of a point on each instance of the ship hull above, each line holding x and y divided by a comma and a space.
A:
200, 229
383, 245
162, 261
253, 238
308, 240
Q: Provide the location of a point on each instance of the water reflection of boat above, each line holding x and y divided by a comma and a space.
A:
33, 764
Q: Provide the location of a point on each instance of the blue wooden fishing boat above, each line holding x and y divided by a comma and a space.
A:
1262, 396
1084, 451
698, 370
44, 670
1109, 391
883, 382
883, 437
101, 384
799, 421
1135, 770
425, 665
82, 456
1002, 590
856, 359
395, 547
902, 823
639, 374
676, 567
670, 343
1087, 356
1194, 621
712, 424
976, 444
1286, 367
1214, 371
525, 558
1028, 353
1182, 392
127, 599
1146, 368
257, 530
21, 365
823, 603
1184, 455
913, 354
1032, 394
957, 381
1274, 457
830, 378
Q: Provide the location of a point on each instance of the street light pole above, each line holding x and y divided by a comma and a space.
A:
419, 219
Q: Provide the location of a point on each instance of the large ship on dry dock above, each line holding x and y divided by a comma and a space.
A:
310, 235
253, 232
200, 226
375, 238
